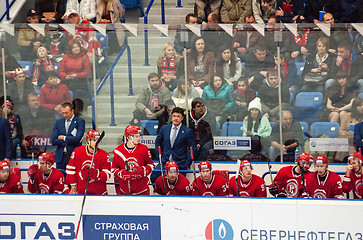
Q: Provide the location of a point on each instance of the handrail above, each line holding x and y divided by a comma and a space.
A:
110, 74
146, 40
7, 11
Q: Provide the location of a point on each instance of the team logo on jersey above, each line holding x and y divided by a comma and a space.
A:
219, 229
209, 194
319, 193
359, 188
292, 188
43, 188
244, 194
132, 162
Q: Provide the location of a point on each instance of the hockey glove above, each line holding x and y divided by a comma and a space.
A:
32, 171
84, 172
92, 173
128, 176
141, 171
274, 189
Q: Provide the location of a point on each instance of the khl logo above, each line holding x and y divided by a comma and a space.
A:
219, 229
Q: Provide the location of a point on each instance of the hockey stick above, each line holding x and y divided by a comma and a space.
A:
161, 169
303, 181
269, 169
127, 169
85, 192
237, 173
193, 164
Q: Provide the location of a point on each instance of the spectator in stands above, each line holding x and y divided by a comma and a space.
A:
292, 136
165, 116
234, 11
51, 11
203, 8
317, 68
29, 40
246, 39
149, 103
36, 119
74, 70
54, 93
242, 97
256, 126
340, 97
170, 66
57, 46
262, 9
41, 66
200, 63
10, 65
352, 180
181, 42
218, 98
85, 8
358, 136
179, 94
269, 96
229, 66
201, 129
257, 65
67, 135
290, 11
301, 39
19, 90
288, 73
213, 35
312, 9
201, 112
16, 128
352, 118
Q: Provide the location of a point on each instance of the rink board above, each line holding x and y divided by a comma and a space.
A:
118, 217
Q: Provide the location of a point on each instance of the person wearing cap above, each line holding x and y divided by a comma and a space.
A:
9, 182
174, 182
42, 65
132, 164
249, 185
57, 45
44, 178
19, 90
289, 180
323, 183
85, 8
256, 126
29, 40
352, 180
209, 184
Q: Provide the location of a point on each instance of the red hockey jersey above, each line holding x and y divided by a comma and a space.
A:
51, 184
138, 158
217, 187
354, 182
181, 186
81, 158
330, 188
12, 185
256, 187
289, 183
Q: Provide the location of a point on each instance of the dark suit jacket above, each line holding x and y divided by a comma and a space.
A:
6, 143
71, 141
179, 151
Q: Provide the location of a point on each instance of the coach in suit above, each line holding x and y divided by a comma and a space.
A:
175, 140
6, 143
67, 135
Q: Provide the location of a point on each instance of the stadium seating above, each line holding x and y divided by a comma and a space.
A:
300, 67
27, 66
361, 95
150, 125
330, 129
307, 107
305, 128
232, 129
131, 4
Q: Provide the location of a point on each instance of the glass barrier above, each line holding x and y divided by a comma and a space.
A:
231, 100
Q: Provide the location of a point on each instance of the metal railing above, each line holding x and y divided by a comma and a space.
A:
7, 10
110, 74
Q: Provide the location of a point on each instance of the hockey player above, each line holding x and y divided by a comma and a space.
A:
249, 185
353, 176
9, 182
175, 183
79, 168
288, 181
45, 179
323, 183
209, 184
132, 164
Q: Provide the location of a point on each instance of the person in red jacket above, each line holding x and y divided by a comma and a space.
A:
9, 182
289, 180
249, 185
352, 180
79, 169
174, 182
75, 68
132, 164
54, 93
209, 184
323, 183
45, 179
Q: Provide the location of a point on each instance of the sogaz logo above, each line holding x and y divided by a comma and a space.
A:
219, 229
